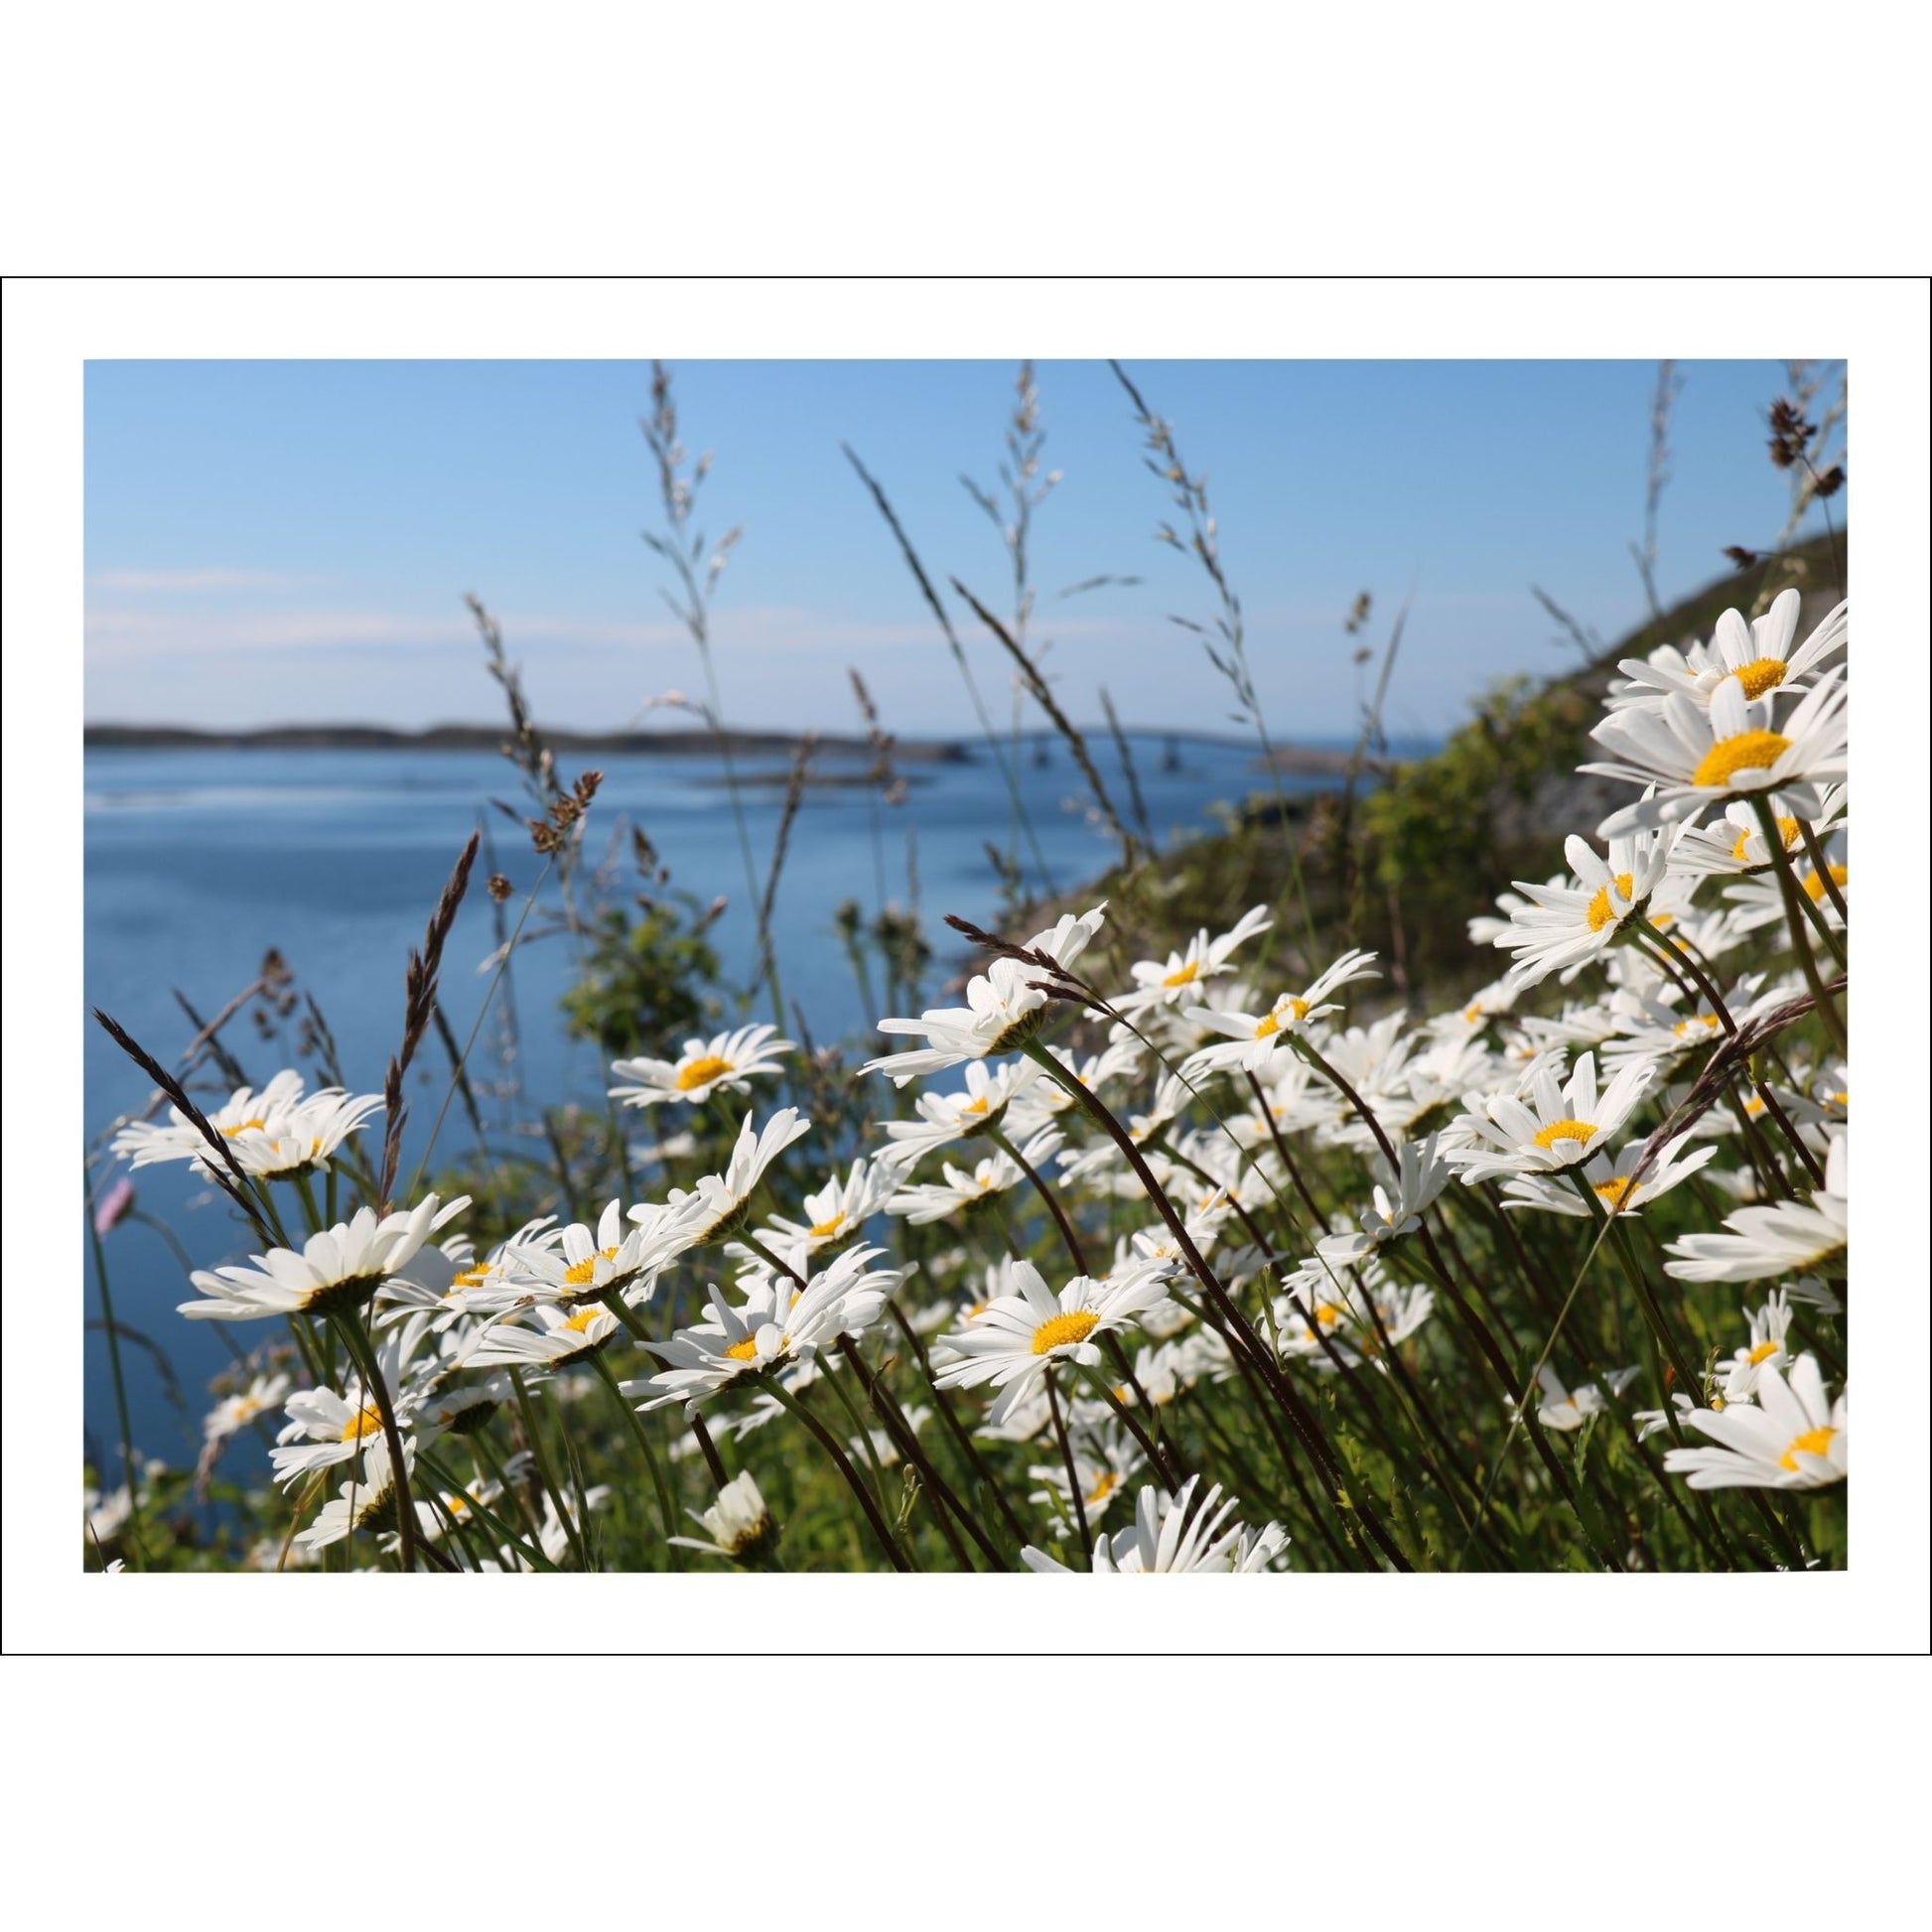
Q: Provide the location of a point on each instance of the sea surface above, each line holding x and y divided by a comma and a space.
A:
200, 861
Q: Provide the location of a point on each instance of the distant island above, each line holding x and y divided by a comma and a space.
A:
492, 738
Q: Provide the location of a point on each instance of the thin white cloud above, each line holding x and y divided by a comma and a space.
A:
123, 632
168, 582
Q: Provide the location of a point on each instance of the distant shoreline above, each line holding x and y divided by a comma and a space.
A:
1305, 759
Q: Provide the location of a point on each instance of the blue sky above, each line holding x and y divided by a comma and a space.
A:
273, 542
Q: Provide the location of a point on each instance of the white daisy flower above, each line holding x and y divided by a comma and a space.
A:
559, 1341
1653, 1027
1566, 1408
1697, 754
141, 1143
838, 1211
1759, 902
1560, 1126
1170, 1535
1656, 1422
739, 1523
1018, 1338
717, 1206
1563, 928
324, 1428
1003, 1010
367, 1502
301, 1139
1791, 1437
1255, 1037
1766, 1354
1782, 1238
1420, 1178
1735, 843
923, 1202
338, 1269
1758, 653
236, 1412
1106, 1459
1612, 1182
779, 1322
947, 1117
1204, 959
706, 1066
577, 1264
1347, 1312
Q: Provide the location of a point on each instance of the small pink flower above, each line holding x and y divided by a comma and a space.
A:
114, 1205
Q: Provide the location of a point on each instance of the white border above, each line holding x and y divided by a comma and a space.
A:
53, 327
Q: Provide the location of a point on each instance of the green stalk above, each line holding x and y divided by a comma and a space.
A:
666, 1509
843, 1464
114, 1366
530, 1548
1046, 1194
1072, 1470
572, 1530
1795, 920
362, 1350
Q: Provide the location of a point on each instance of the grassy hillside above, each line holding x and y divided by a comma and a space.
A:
1401, 864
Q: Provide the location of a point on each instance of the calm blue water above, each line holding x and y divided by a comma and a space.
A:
198, 862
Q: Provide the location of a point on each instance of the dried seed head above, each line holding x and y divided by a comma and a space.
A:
499, 888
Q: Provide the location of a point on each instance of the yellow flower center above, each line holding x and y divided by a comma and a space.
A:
1104, 1488
1754, 1105
1815, 887
978, 1106
1814, 1441
1762, 1352
241, 1127
1327, 1314
701, 1071
580, 1273
824, 1230
365, 1422
472, 1276
1615, 1191
1473, 1013
1602, 911
1566, 1129
1269, 1027
580, 1322
1753, 750
1684, 1027
1063, 1329
1841, 1099
748, 1349
1789, 830
1186, 977
1761, 675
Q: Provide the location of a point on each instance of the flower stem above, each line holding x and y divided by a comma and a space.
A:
114, 1366
843, 1464
362, 1350
572, 1530
1046, 1194
666, 1509
1072, 1470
